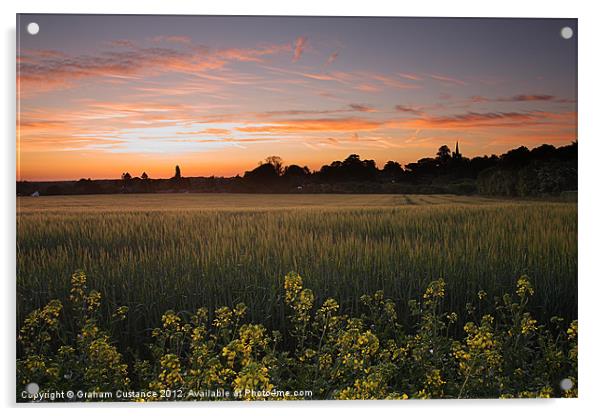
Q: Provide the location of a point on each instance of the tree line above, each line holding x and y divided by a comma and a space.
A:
519, 172
543, 170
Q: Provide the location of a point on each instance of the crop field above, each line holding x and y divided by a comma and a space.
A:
158, 252
195, 202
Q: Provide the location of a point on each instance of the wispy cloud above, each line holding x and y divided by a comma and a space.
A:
410, 76
476, 119
313, 125
185, 40
517, 120
63, 70
364, 108
520, 98
408, 109
300, 43
251, 54
122, 43
392, 81
365, 87
210, 131
332, 57
40, 71
447, 80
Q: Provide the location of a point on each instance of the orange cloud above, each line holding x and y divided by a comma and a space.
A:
40, 71
367, 88
212, 131
409, 76
320, 77
314, 125
252, 55
472, 120
299, 48
360, 80
64, 70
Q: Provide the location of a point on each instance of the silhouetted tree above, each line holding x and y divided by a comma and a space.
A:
545, 151
480, 163
144, 176
275, 161
424, 167
263, 174
516, 157
87, 186
126, 176
568, 153
444, 154
178, 174
296, 171
359, 170
520, 172
351, 169
392, 170
295, 175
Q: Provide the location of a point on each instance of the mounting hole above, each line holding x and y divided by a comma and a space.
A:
566, 384
566, 32
33, 28
32, 388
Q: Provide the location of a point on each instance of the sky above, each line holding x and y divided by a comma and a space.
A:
99, 95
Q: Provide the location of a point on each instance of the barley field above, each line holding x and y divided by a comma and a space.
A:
158, 252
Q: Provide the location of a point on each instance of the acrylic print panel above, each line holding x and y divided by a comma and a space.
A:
303, 208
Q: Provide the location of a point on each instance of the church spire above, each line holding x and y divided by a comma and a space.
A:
457, 154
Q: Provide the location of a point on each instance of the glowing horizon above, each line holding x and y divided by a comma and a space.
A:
102, 95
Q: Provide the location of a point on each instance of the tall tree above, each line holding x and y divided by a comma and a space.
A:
444, 154
392, 170
275, 161
178, 174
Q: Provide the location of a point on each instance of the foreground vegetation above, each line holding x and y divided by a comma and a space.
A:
503, 351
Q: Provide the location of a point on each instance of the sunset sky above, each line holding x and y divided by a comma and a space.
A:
101, 95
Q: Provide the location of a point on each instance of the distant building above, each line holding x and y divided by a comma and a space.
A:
35, 194
457, 154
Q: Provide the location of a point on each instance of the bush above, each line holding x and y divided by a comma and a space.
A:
503, 352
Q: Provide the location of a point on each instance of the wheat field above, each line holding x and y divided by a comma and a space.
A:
181, 251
